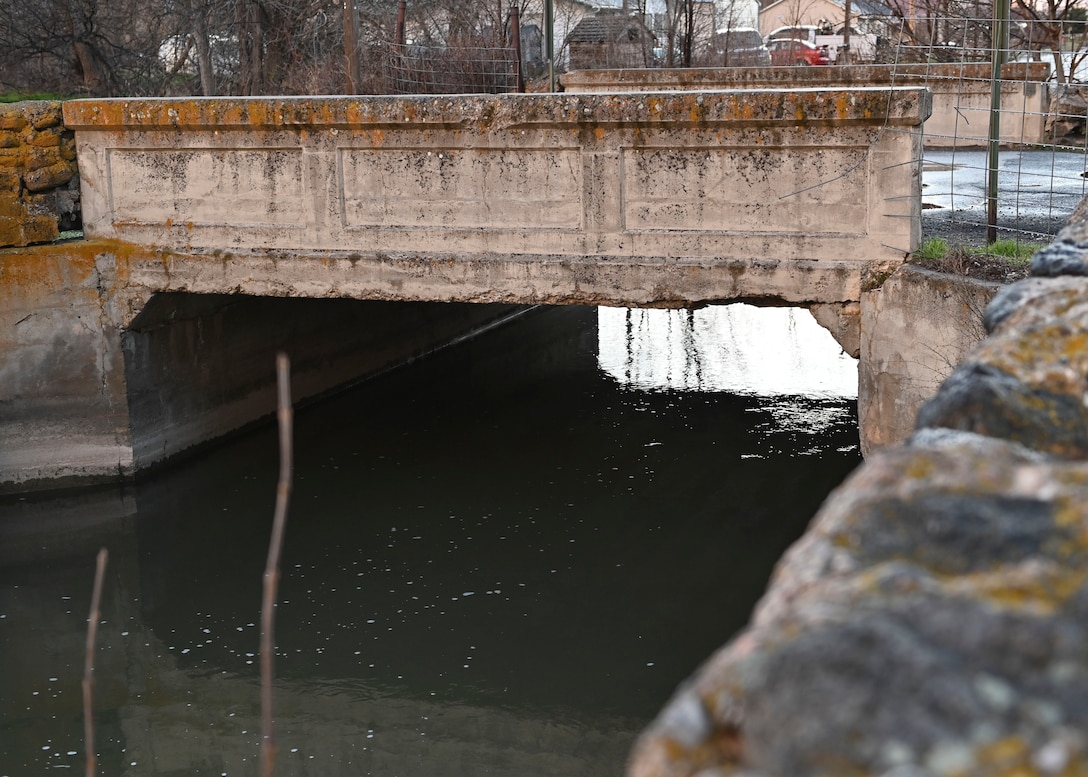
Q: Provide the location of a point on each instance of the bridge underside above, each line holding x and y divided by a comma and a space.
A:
522, 279
117, 358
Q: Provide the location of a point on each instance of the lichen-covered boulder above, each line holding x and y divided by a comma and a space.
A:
1067, 254
1027, 381
933, 621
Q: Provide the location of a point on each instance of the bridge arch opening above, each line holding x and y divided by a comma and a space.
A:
199, 367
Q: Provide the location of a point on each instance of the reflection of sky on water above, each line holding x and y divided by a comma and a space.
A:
739, 349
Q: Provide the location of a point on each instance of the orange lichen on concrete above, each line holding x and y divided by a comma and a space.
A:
61, 265
486, 113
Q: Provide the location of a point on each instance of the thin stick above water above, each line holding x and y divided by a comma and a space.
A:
88, 664
272, 565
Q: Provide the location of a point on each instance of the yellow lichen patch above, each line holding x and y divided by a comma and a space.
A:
920, 468
1040, 587
1006, 757
81, 255
740, 108
38, 267
845, 540
1050, 356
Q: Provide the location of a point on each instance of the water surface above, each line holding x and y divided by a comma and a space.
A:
500, 560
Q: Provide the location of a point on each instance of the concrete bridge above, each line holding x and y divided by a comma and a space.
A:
636, 199
152, 335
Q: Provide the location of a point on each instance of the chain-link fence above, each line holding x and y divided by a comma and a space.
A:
428, 69
1026, 186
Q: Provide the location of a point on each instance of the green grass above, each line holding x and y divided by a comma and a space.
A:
16, 97
1013, 250
933, 250
1003, 259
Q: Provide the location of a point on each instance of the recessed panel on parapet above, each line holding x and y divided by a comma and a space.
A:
208, 187
805, 190
514, 188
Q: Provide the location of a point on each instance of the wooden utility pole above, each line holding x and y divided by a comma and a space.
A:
999, 38
844, 55
351, 48
515, 41
402, 12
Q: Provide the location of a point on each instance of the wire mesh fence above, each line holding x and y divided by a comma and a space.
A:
1034, 105
1040, 94
458, 69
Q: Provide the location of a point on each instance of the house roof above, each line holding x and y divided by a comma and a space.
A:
866, 8
607, 27
857, 7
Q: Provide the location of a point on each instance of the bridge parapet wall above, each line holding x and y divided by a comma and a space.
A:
961, 91
651, 198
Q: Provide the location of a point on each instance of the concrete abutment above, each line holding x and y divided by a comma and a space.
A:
102, 383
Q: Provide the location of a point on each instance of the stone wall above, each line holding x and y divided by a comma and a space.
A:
933, 621
39, 186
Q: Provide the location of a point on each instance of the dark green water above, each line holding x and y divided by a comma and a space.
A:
500, 560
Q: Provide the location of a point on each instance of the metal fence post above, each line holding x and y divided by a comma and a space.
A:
1000, 40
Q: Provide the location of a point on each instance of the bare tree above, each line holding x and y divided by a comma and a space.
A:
83, 46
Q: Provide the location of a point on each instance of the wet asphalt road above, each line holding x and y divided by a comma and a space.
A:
1037, 192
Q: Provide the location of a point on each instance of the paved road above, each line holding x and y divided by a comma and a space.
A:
1037, 190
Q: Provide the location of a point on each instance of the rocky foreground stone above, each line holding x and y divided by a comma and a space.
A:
934, 619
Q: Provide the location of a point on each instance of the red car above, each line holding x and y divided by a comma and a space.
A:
792, 51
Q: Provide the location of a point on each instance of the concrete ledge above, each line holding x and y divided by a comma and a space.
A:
652, 281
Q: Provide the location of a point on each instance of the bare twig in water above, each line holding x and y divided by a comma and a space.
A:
88, 664
272, 566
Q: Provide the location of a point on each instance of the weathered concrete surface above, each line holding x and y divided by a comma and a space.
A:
646, 200
101, 378
961, 92
39, 187
63, 404
915, 328
642, 199
934, 619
